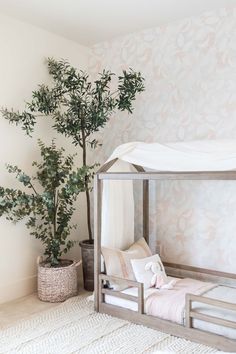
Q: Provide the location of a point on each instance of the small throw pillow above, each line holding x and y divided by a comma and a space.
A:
117, 262
143, 271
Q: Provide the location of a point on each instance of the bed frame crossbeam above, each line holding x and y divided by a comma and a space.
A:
191, 176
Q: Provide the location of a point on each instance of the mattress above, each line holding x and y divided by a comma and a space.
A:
223, 293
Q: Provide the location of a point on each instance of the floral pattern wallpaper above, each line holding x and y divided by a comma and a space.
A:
190, 77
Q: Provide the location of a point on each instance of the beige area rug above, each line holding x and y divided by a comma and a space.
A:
74, 327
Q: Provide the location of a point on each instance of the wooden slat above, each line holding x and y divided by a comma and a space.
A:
96, 271
145, 204
200, 270
188, 305
200, 175
117, 279
100, 292
138, 168
97, 239
212, 302
140, 298
178, 273
106, 166
146, 210
212, 319
190, 314
120, 295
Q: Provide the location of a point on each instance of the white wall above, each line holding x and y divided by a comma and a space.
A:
22, 59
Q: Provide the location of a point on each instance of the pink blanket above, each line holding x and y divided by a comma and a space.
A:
170, 304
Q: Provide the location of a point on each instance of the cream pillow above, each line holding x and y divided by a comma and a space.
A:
141, 274
117, 262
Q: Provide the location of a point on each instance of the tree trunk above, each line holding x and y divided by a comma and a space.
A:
87, 190
88, 213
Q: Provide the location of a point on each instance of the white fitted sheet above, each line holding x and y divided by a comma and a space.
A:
223, 293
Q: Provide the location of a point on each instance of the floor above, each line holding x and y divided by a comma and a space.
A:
13, 311
73, 327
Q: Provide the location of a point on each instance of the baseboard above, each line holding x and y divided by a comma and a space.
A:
18, 289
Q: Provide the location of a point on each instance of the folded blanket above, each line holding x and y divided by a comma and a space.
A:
170, 304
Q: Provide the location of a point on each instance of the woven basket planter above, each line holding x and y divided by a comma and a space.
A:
57, 284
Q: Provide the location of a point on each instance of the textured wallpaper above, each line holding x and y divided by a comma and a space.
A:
190, 72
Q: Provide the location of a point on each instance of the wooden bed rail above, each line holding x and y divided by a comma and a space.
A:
186, 271
106, 291
191, 314
214, 273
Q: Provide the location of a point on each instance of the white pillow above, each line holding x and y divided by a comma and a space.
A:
142, 275
118, 264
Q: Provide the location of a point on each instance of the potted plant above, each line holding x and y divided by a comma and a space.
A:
46, 202
79, 108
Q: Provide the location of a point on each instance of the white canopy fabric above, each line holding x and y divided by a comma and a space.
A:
118, 200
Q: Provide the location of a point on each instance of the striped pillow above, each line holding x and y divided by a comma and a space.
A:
118, 263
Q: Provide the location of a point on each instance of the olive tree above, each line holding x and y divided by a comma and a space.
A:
79, 107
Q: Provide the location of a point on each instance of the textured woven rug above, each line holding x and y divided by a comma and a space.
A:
74, 327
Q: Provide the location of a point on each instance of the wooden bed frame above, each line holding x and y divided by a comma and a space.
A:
186, 331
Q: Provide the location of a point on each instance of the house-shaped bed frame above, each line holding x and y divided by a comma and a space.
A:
139, 317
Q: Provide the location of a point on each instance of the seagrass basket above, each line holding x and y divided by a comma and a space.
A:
57, 284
